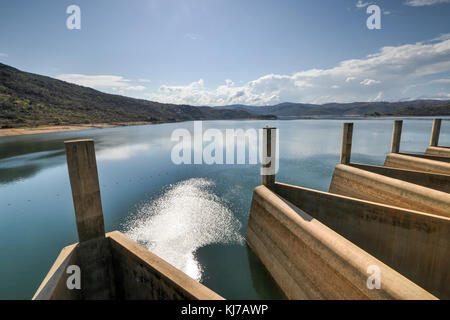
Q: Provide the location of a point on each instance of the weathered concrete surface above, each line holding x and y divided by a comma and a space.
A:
85, 188
269, 153
308, 260
365, 185
401, 161
119, 268
438, 151
97, 275
435, 131
426, 156
143, 275
436, 181
396, 136
346, 144
415, 244
54, 284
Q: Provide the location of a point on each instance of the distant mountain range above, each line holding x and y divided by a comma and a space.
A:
28, 100
301, 110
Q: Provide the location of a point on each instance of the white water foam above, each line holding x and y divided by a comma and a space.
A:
187, 217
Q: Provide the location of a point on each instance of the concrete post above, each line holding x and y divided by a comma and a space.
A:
268, 158
396, 136
435, 132
346, 147
85, 189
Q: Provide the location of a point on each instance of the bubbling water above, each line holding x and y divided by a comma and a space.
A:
186, 217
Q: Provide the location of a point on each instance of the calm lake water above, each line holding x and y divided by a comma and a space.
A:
194, 216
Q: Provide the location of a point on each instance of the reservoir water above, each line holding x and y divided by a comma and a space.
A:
194, 216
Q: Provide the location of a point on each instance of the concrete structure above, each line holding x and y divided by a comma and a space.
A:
435, 132
310, 260
319, 245
112, 266
346, 146
358, 183
435, 160
396, 136
431, 180
269, 152
416, 163
434, 149
414, 190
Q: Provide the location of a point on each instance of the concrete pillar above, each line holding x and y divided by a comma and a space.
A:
85, 189
435, 132
396, 136
268, 159
346, 147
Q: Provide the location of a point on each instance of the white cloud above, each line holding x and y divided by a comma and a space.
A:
192, 36
115, 83
369, 82
123, 152
135, 88
361, 4
446, 81
442, 37
144, 80
421, 3
379, 97
386, 74
3, 55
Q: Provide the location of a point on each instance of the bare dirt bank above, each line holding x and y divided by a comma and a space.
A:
76, 127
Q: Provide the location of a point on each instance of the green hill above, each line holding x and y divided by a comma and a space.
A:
301, 110
28, 99
441, 109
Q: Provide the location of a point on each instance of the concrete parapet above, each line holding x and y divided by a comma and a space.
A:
142, 275
431, 180
54, 286
408, 162
438, 151
111, 266
415, 244
309, 260
427, 156
365, 185
132, 273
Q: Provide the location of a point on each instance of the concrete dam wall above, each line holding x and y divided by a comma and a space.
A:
357, 183
309, 260
320, 245
123, 270
111, 266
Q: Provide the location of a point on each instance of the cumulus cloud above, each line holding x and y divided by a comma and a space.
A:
115, 83
385, 74
421, 3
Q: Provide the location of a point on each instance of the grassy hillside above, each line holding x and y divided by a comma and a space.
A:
442, 109
296, 110
30, 100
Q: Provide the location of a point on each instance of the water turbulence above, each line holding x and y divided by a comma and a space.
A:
186, 217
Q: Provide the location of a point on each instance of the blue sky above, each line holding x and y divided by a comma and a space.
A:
219, 52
